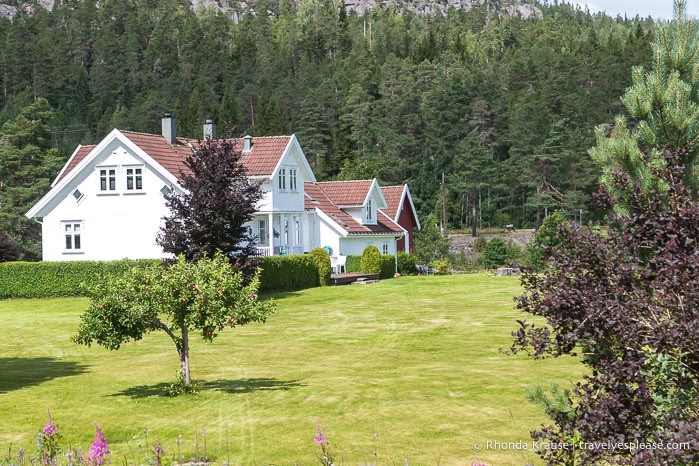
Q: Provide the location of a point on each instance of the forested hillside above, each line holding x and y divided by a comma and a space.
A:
504, 107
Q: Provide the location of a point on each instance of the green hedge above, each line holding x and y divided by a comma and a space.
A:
388, 266
57, 279
285, 273
407, 263
321, 261
353, 264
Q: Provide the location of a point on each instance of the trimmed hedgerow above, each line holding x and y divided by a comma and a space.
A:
388, 266
58, 279
321, 259
353, 264
284, 273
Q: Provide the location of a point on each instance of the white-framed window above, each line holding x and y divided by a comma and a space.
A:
77, 194
292, 179
282, 179
72, 231
107, 179
385, 248
134, 178
368, 210
264, 231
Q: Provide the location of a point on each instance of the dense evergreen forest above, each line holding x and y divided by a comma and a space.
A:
502, 108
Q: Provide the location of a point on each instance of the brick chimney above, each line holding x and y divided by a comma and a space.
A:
169, 129
210, 129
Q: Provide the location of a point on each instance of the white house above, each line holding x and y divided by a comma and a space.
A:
108, 202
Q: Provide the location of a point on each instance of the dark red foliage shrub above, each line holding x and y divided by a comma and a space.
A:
627, 298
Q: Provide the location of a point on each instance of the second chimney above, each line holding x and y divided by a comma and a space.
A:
169, 129
247, 143
209, 129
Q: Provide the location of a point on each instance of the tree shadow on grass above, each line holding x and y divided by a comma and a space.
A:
227, 386
17, 373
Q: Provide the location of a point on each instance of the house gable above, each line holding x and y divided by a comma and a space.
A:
360, 199
402, 210
116, 149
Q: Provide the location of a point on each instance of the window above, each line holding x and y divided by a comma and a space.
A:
165, 190
107, 179
264, 232
282, 179
77, 195
134, 179
385, 248
72, 232
292, 179
368, 210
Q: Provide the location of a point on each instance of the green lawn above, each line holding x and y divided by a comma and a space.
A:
415, 360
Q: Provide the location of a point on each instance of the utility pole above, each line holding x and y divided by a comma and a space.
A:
444, 207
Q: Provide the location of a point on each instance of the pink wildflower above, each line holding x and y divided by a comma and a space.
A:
50, 429
98, 450
320, 437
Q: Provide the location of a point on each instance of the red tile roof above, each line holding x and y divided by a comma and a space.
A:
77, 158
316, 197
393, 196
346, 193
261, 160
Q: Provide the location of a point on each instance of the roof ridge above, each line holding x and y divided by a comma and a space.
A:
343, 181
141, 133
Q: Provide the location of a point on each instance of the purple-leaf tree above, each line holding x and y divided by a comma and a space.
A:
627, 298
217, 200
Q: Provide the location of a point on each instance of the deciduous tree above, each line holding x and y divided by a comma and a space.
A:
205, 296
218, 199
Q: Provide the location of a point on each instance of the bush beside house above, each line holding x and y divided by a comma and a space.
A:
371, 260
321, 260
407, 263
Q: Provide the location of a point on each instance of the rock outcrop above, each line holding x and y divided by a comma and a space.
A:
236, 8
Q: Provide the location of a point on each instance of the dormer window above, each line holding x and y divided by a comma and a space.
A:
282, 179
292, 179
368, 210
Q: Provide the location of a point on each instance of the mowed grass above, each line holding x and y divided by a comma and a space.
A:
408, 368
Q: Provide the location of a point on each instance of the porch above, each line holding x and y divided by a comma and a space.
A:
278, 250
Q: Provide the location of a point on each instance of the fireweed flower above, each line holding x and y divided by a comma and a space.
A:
320, 437
159, 452
97, 455
50, 429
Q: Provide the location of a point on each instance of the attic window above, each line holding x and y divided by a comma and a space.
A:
108, 179
368, 210
165, 190
134, 179
77, 195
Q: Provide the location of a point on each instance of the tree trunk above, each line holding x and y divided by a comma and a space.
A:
184, 358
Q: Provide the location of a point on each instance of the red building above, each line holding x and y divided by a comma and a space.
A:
402, 211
